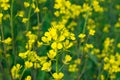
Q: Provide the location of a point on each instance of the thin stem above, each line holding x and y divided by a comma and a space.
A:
29, 15
12, 29
61, 67
86, 19
38, 19
2, 37
57, 64
4, 52
22, 73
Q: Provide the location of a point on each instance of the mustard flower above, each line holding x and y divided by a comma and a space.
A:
28, 78
51, 54
28, 64
37, 10
7, 41
15, 71
68, 58
46, 66
58, 76
26, 4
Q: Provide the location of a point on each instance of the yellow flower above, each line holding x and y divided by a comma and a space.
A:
5, 6
24, 20
67, 59
91, 32
77, 61
89, 46
28, 78
39, 44
56, 45
51, 54
15, 71
33, 5
118, 45
37, 10
1, 15
67, 44
72, 68
58, 76
81, 36
46, 66
59, 46
57, 14
7, 41
28, 64
26, 4
20, 13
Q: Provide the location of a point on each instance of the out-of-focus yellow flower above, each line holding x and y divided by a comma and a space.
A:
5, 6
24, 20
39, 44
26, 4
37, 10
118, 45
91, 32
28, 64
15, 71
28, 78
20, 13
77, 61
72, 68
33, 5
7, 41
58, 76
81, 36
1, 15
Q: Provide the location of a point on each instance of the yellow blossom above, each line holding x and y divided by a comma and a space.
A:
77, 61
118, 45
81, 36
46, 66
51, 54
15, 71
1, 15
26, 4
91, 32
28, 78
58, 76
37, 10
67, 59
7, 41
33, 5
72, 68
20, 13
28, 64
24, 20
39, 44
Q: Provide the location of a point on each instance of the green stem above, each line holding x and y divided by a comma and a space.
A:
61, 67
22, 74
86, 19
38, 20
57, 64
12, 29
29, 14
2, 38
